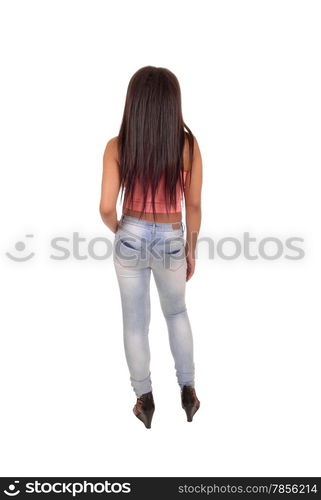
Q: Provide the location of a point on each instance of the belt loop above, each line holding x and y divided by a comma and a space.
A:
183, 225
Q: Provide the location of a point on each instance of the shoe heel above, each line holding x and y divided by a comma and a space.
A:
146, 417
190, 411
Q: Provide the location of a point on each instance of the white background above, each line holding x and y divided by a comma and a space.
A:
250, 79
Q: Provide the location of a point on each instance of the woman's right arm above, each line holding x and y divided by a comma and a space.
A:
193, 212
110, 186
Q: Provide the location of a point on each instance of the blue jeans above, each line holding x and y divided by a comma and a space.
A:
140, 247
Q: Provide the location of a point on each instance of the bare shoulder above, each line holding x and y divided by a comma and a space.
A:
186, 153
111, 149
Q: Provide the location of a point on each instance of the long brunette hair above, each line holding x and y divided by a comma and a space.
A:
152, 137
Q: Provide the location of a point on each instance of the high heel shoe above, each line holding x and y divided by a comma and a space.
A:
144, 408
190, 402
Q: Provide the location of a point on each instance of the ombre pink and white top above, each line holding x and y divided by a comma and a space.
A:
160, 206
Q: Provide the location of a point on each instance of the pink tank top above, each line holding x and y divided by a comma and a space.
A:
160, 206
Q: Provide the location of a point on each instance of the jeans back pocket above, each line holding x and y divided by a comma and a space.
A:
174, 253
128, 248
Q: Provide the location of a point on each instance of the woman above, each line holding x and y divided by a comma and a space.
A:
157, 164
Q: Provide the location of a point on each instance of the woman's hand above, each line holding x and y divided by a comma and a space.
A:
190, 266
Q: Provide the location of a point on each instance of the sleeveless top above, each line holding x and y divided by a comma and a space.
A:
160, 206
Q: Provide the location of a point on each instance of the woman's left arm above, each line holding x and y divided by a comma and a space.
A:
110, 186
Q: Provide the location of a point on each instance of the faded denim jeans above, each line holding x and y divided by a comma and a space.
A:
141, 247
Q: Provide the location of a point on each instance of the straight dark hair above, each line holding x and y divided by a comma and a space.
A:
152, 136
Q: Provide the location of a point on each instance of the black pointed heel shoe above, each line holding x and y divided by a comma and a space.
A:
144, 408
190, 402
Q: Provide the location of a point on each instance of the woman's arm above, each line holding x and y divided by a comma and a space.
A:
110, 186
193, 208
